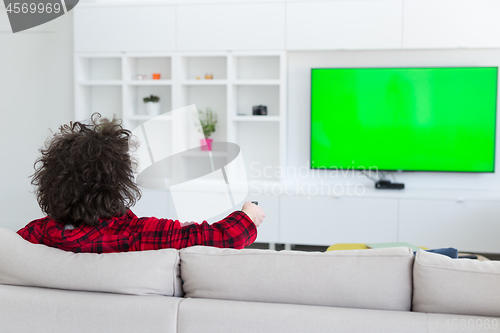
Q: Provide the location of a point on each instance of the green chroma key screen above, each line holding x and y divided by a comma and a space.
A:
415, 119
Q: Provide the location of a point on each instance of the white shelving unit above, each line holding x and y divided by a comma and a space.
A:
107, 83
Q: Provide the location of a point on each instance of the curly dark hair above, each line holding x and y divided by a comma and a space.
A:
85, 173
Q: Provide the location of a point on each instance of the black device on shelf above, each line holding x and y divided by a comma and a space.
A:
383, 184
259, 110
388, 185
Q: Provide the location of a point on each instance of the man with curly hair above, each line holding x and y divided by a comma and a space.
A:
85, 184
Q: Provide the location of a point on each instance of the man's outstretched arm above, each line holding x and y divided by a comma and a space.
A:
237, 230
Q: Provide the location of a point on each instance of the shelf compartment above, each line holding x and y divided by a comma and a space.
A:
196, 66
257, 118
99, 69
211, 96
107, 100
257, 67
247, 96
257, 82
150, 82
203, 82
149, 65
136, 93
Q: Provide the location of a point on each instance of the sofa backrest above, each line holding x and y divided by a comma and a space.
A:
370, 279
456, 286
138, 273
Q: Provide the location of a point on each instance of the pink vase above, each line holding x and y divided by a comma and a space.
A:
206, 144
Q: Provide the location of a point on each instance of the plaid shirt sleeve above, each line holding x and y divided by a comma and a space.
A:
235, 231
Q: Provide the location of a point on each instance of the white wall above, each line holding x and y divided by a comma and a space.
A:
36, 93
298, 136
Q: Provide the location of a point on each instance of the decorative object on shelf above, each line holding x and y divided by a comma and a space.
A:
152, 105
208, 121
209, 76
156, 76
141, 77
259, 110
198, 78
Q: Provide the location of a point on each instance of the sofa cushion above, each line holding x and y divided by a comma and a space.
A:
216, 316
197, 315
43, 310
138, 273
456, 286
370, 279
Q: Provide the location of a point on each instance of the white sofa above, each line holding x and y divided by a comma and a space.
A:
204, 289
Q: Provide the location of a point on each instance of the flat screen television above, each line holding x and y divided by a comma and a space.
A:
410, 119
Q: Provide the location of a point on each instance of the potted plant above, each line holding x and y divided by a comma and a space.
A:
208, 121
152, 105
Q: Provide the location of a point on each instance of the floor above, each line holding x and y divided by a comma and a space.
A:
311, 248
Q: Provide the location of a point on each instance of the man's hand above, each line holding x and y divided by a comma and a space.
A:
254, 212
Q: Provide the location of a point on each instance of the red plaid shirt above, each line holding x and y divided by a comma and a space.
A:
130, 233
